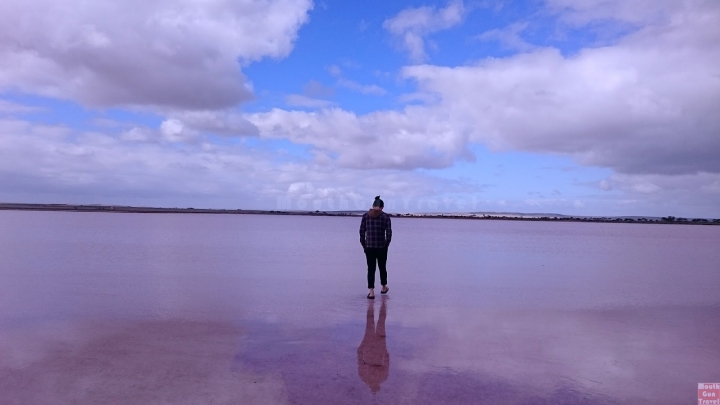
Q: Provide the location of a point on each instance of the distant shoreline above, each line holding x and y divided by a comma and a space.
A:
468, 216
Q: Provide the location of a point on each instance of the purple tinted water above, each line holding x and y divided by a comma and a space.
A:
168, 308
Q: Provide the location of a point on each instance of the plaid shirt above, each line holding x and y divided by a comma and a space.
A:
375, 232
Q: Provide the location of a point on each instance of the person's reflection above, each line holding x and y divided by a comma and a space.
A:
373, 357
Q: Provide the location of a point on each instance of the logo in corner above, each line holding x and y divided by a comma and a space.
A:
709, 394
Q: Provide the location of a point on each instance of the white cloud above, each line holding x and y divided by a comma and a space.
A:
173, 130
638, 106
510, 37
712, 187
644, 105
167, 53
646, 188
40, 163
186, 126
298, 100
385, 139
138, 134
544, 204
679, 194
334, 70
582, 12
219, 122
7, 107
411, 25
368, 89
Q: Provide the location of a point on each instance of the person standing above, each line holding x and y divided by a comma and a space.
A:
375, 237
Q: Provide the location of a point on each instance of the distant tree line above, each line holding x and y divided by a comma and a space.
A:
668, 219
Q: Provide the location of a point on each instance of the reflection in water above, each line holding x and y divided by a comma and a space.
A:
136, 362
372, 355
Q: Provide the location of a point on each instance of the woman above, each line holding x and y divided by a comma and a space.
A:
375, 236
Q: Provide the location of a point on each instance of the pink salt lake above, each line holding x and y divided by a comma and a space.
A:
250, 309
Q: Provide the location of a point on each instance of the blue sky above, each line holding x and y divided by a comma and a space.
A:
559, 106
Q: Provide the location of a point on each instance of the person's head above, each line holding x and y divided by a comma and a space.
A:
378, 204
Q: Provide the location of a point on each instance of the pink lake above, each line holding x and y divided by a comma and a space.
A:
250, 309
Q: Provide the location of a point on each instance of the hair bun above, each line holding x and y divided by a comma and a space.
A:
377, 197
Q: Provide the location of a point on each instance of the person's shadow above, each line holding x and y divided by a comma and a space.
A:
373, 357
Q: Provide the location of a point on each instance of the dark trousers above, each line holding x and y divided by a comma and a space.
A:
378, 255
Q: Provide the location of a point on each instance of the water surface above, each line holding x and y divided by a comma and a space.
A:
177, 308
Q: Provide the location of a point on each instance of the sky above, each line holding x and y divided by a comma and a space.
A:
577, 107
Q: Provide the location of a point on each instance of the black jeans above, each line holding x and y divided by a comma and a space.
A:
380, 255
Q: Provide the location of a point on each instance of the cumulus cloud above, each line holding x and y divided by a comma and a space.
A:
646, 104
228, 122
183, 54
682, 194
174, 130
510, 37
50, 163
582, 12
9, 108
385, 139
411, 25
642, 106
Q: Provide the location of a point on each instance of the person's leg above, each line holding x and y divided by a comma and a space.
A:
382, 261
370, 256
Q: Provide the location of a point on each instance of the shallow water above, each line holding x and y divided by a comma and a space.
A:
173, 308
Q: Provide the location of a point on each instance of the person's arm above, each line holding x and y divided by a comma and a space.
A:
388, 232
363, 229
